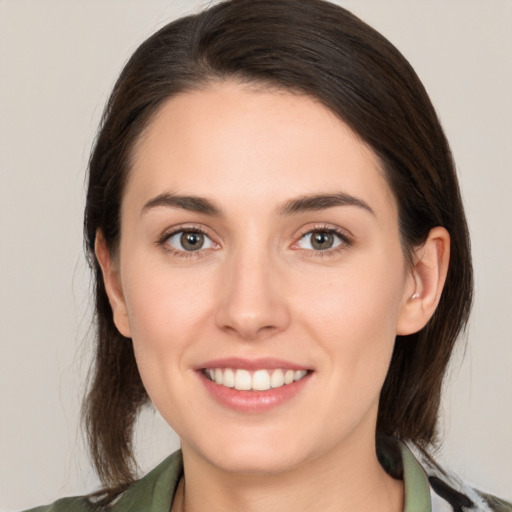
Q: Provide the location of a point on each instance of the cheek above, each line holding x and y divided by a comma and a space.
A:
353, 313
167, 310
361, 296
163, 300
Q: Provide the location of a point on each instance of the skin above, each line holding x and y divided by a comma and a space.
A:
260, 289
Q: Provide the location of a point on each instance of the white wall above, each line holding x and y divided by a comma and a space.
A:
58, 62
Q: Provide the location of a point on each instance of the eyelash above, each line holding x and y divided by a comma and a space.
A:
162, 242
346, 241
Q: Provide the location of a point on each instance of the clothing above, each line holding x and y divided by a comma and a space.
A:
427, 488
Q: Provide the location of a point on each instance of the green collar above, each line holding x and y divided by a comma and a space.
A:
417, 488
155, 491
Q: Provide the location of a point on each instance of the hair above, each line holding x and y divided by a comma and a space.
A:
321, 50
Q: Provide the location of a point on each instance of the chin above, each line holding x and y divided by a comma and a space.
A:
256, 454
258, 461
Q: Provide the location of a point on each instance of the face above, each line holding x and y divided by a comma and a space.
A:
261, 277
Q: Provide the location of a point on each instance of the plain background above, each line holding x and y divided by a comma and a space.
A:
58, 63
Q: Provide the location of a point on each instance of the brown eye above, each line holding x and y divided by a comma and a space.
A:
192, 241
189, 241
320, 240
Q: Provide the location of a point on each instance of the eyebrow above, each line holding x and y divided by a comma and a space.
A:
190, 203
302, 204
322, 202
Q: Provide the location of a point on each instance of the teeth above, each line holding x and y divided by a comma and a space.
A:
228, 379
242, 380
299, 374
260, 380
289, 376
277, 379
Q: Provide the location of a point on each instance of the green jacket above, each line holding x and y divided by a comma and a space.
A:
425, 490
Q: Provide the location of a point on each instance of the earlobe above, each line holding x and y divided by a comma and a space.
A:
427, 279
112, 281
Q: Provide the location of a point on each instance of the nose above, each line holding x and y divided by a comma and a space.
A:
252, 302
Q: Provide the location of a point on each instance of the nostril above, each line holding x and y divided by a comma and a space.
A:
250, 332
251, 306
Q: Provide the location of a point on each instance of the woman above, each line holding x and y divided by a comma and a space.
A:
282, 267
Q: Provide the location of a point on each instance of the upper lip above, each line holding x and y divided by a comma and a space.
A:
266, 363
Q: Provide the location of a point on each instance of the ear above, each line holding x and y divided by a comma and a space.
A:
425, 283
112, 280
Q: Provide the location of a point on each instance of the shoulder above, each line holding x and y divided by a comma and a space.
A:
496, 504
155, 492
428, 486
78, 504
447, 489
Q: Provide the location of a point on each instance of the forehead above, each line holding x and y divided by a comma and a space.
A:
261, 143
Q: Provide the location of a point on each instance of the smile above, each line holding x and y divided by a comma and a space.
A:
259, 380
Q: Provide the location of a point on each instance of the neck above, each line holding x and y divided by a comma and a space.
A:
349, 479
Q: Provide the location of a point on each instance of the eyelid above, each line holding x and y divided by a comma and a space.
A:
208, 243
347, 239
193, 228
344, 234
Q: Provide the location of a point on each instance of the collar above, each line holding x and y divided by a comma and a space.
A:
417, 488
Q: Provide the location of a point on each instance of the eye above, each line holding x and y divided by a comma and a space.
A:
189, 241
321, 240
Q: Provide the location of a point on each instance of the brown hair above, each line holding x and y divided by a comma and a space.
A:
322, 50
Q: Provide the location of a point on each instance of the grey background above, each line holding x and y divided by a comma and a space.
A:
58, 62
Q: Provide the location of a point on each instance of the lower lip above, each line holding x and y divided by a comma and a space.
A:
253, 401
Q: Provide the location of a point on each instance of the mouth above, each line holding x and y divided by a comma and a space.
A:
254, 385
253, 380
